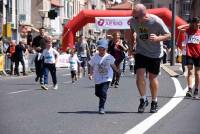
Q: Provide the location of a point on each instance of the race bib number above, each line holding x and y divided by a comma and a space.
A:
144, 36
194, 39
143, 33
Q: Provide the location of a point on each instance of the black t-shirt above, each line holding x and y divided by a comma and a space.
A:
19, 49
39, 41
29, 39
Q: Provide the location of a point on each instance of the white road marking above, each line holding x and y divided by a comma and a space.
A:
20, 91
143, 126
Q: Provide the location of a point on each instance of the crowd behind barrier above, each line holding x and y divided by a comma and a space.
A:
5, 62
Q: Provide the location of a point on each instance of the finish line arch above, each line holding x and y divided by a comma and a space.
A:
88, 16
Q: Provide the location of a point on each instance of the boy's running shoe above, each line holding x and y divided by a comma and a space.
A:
143, 105
154, 107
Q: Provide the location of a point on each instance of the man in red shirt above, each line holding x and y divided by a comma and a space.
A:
192, 54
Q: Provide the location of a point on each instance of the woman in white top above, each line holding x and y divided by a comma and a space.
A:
50, 58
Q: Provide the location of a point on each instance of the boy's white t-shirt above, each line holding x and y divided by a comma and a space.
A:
73, 63
49, 55
102, 70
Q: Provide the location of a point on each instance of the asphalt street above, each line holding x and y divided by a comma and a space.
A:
73, 108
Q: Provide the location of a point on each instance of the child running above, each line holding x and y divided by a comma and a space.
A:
73, 60
101, 65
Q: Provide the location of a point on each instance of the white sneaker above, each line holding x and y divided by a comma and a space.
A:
45, 87
55, 87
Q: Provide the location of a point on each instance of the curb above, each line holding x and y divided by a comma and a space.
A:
171, 72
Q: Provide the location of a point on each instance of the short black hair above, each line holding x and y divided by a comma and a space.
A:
193, 20
41, 28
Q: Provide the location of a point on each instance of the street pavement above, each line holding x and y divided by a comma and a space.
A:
73, 108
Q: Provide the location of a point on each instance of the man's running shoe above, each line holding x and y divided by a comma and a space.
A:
44, 87
154, 107
189, 93
55, 87
143, 105
195, 95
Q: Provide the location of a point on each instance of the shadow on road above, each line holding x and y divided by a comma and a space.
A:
96, 112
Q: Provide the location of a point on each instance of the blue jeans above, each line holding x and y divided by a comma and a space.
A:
101, 92
52, 69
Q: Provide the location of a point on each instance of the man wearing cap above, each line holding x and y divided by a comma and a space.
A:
149, 30
192, 54
101, 68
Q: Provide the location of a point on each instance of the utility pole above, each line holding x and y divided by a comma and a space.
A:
6, 25
173, 41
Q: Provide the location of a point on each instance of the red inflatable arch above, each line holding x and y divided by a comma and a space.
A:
88, 16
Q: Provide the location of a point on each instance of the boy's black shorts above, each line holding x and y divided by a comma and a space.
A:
152, 65
73, 73
193, 61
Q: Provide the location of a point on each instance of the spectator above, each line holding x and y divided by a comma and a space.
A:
116, 48
19, 57
11, 54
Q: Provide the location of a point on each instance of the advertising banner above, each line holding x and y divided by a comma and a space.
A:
113, 22
63, 60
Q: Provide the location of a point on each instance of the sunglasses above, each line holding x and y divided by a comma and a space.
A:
136, 17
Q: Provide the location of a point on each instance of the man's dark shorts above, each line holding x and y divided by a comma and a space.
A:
193, 61
152, 65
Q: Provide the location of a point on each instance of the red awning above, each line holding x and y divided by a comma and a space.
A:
56, 3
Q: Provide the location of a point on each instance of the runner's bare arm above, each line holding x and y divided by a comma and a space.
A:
132, 40
183, 28
90, 72
158, 38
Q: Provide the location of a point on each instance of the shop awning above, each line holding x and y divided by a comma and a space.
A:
56, 3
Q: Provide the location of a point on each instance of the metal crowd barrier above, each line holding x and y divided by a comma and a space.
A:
63, 61
29, 63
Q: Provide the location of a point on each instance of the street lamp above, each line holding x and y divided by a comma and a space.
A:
173, 41
43, 15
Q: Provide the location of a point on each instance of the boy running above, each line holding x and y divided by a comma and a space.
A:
101, 65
